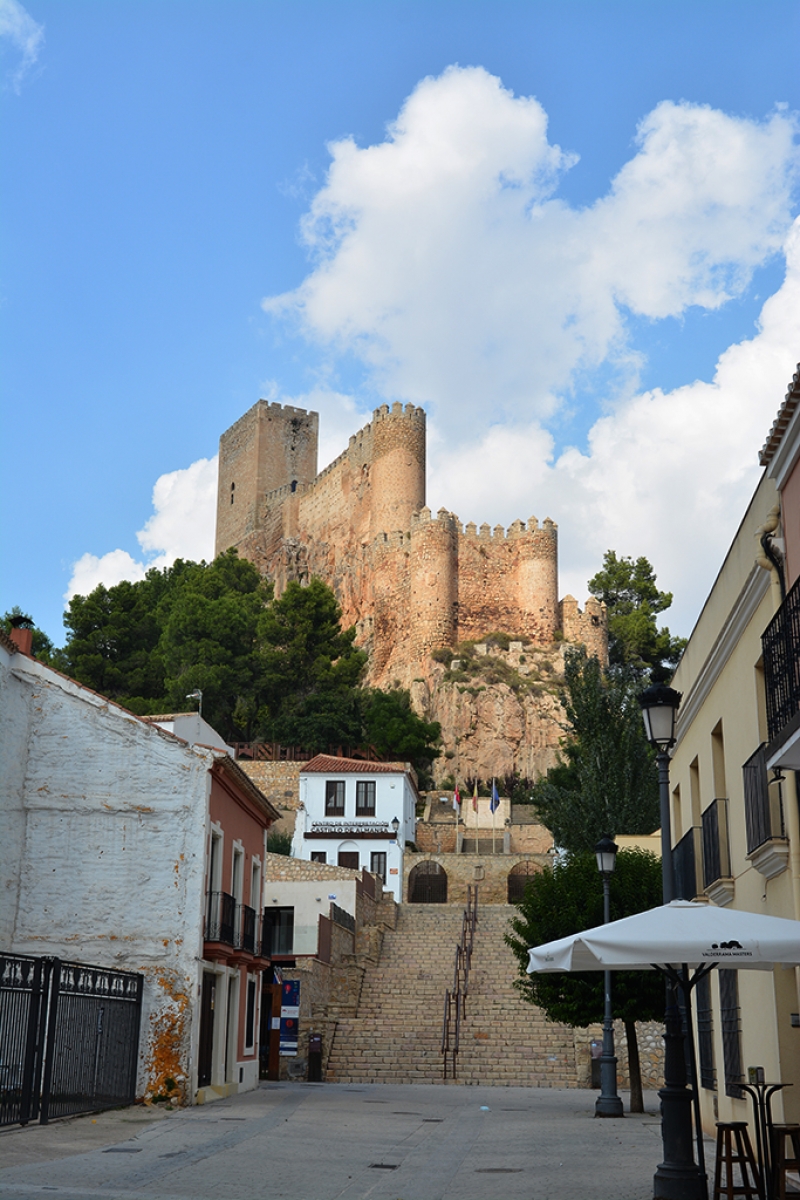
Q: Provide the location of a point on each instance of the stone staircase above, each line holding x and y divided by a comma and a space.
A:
396, 1037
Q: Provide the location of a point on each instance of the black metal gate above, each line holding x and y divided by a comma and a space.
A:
427, 883
69, 1038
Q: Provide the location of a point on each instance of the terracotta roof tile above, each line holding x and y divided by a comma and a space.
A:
328, 764
781, 422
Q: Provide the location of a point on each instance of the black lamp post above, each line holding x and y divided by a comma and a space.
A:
677, 1177
395, 826
608, 1103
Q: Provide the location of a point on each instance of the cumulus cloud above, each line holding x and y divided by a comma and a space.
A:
443, 259
19, 29
182, 526
666, 474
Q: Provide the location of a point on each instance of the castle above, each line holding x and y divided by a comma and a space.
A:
410, 582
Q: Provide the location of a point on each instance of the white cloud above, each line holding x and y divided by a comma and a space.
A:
666, 474
19, 27
443, 261
182, 526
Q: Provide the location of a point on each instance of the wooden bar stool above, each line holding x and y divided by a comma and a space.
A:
728, 1133
780, 1163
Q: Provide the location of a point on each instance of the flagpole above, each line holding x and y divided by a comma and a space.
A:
492, 806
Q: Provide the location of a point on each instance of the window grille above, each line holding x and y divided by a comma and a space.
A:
731, 1032
716, 845
705, 1033
763, 813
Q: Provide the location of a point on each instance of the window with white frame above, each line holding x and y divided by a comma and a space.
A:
365, 798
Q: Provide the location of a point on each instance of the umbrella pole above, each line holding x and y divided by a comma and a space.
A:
686, 985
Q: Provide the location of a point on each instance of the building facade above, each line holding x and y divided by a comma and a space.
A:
358, 815
734, 798
107, 836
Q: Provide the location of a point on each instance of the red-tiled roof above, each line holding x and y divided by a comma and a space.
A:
328, 764
781, 422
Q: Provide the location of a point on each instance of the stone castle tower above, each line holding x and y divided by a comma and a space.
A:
409, 581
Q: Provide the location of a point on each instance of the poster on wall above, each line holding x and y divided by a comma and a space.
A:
290, 1016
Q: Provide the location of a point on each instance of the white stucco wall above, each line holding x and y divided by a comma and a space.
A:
102, 832
394, 797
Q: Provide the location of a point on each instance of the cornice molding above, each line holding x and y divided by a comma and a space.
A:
740, 616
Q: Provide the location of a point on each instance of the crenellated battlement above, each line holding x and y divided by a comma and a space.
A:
410, 580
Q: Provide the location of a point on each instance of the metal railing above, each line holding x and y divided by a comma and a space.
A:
275, 752
716, 844
780, 642
685, 859
455, 999
763, 813
236, 925
221, 918
69, 1038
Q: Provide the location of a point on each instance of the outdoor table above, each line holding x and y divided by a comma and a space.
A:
761, 1095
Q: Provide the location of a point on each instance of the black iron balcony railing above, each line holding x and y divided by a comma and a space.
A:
248, 928
221, 918
763, 812
780, 642
716, 844
685, 859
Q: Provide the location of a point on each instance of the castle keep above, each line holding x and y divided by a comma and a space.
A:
409, 581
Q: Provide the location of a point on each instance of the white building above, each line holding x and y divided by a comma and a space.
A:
357, 814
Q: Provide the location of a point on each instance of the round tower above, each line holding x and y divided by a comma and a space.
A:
536, 573
397, 473
433, 575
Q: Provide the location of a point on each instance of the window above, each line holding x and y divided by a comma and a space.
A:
349, 859
250, 1015
763, 811
334, 798
237, 873
319, 856
365, 798
279, 929
377, 864
731, 1033
705, 1034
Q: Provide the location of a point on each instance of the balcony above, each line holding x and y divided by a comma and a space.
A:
235, 925
686, 858
717, 881
767, 844
781, 653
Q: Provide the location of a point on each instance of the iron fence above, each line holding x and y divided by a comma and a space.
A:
455, 1001
763, 812
716, 844
69, 1038
685, 859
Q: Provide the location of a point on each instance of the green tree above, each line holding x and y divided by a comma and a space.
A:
209, 641
309, 670
628, 589
393, 728
606, 782
566, 900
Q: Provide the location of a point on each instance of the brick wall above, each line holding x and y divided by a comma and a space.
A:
279, 781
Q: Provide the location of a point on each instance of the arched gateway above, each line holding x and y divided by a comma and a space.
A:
518, 876
427, 883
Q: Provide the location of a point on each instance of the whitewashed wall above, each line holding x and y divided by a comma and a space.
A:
102, 832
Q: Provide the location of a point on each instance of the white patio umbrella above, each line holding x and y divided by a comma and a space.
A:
673, 939
682, 933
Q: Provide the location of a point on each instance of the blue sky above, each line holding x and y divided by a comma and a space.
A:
575, 247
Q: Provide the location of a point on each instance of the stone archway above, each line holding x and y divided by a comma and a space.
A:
427, 883
518, 877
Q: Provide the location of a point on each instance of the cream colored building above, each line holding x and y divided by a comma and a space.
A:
735, 828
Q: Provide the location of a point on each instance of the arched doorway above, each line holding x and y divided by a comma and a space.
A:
427, 883
518, 877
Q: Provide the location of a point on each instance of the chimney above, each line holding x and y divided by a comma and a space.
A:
23, 640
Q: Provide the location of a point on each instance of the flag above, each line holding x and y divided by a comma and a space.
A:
475, 797
456, 800
494, 803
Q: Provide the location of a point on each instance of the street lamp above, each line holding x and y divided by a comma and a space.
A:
677, 1177
608, 1103
395, 825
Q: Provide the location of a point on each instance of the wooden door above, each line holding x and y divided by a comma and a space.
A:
205, 1053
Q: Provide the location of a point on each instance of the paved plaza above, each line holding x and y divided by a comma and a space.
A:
344, 1142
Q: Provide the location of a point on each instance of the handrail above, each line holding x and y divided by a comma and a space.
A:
455, 1001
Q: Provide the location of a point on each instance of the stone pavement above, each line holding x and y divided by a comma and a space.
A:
344, 1142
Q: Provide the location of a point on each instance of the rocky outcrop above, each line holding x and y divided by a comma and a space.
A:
498, 707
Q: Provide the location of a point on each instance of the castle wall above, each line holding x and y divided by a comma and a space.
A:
409, 582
